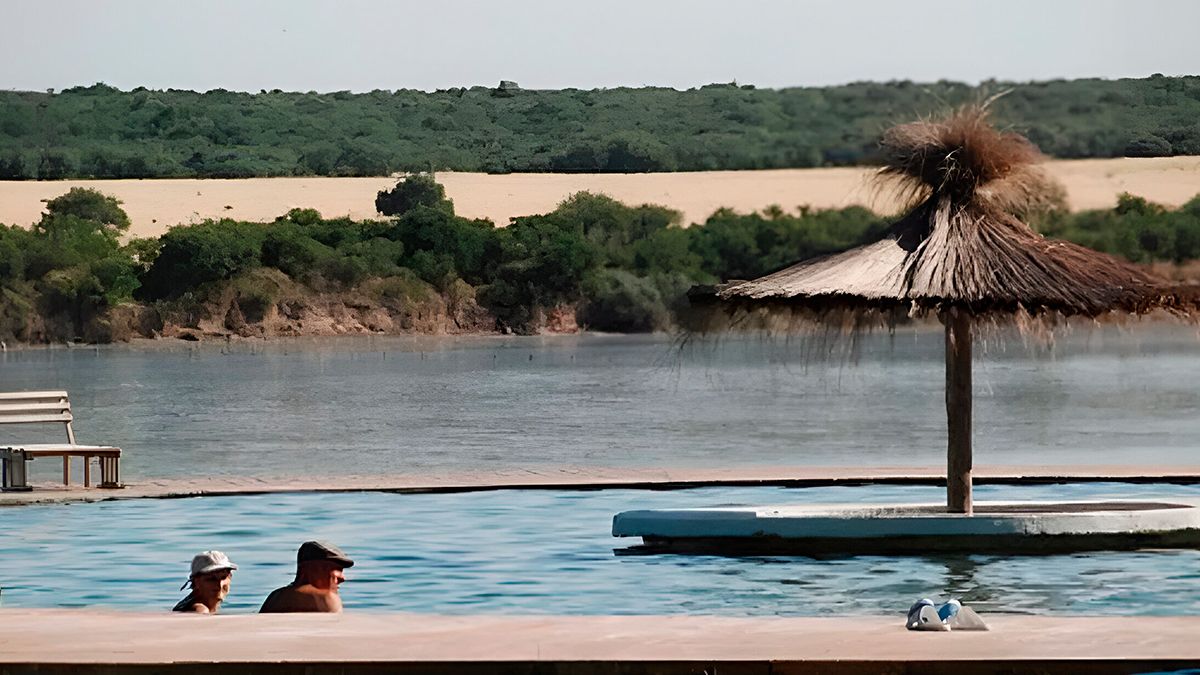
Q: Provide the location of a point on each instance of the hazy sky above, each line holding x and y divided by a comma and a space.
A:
379, 44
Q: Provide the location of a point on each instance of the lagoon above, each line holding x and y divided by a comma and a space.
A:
374, 405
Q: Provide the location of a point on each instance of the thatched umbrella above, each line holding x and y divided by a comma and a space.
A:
961, 253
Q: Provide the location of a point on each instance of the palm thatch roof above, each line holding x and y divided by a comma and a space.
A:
963, 244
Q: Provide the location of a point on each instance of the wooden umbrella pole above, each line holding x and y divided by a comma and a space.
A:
958, 411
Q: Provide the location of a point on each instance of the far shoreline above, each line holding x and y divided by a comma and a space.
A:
363, 341
220, 342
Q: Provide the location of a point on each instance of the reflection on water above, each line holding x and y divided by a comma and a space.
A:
376, 405
551, 552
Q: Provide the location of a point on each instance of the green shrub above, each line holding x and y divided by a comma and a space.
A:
667, 251
73, 290
381, 257
89, 204
418, 189
1187, 231
1135, 229
17, 311
142, 252
72, 255
198, 254
745, 246
1148, 145
612, 226
437, 242
117, 279
287, 247
619, 301
68, 241
307, 218
345, 270
15, 243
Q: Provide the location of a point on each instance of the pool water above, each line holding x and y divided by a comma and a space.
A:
551, 552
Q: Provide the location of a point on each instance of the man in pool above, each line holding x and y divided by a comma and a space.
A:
319, 572
212, 572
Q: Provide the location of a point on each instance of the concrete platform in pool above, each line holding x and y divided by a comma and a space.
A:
995, 527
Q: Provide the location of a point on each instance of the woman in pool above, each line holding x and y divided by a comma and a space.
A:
212, 572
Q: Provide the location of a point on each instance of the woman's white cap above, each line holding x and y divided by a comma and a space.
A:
209, 561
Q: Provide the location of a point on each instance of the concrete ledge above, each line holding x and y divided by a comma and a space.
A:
69, 641
616, 667
825, 529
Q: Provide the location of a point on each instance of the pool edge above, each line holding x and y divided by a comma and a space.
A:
600, 478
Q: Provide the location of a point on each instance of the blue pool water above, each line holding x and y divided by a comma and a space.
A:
522, 552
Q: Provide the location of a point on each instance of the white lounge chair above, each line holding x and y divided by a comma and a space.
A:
36, 407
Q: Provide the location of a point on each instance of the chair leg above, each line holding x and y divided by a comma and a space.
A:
15, 476
66, 470
110, 472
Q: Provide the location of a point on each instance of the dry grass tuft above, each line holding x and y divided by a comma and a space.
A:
956, 156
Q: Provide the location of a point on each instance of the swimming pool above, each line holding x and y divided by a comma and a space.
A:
550, 552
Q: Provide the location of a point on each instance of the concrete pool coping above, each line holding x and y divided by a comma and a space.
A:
61, 640
596, 478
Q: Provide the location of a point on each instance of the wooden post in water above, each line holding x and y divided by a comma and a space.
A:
958, 411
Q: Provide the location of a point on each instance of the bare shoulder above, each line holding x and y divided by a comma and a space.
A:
191, 608
333, 602
320, 600
302, 598
282, 599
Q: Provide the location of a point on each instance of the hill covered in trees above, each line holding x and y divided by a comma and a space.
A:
102, 132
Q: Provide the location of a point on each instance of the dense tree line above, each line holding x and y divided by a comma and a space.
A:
1135, 229
102, 132
625, 268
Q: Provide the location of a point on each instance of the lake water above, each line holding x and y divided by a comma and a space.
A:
409, 405
551, 552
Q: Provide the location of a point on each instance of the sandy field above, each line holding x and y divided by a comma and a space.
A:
155, 205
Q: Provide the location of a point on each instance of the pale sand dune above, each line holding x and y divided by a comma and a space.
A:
155, 205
